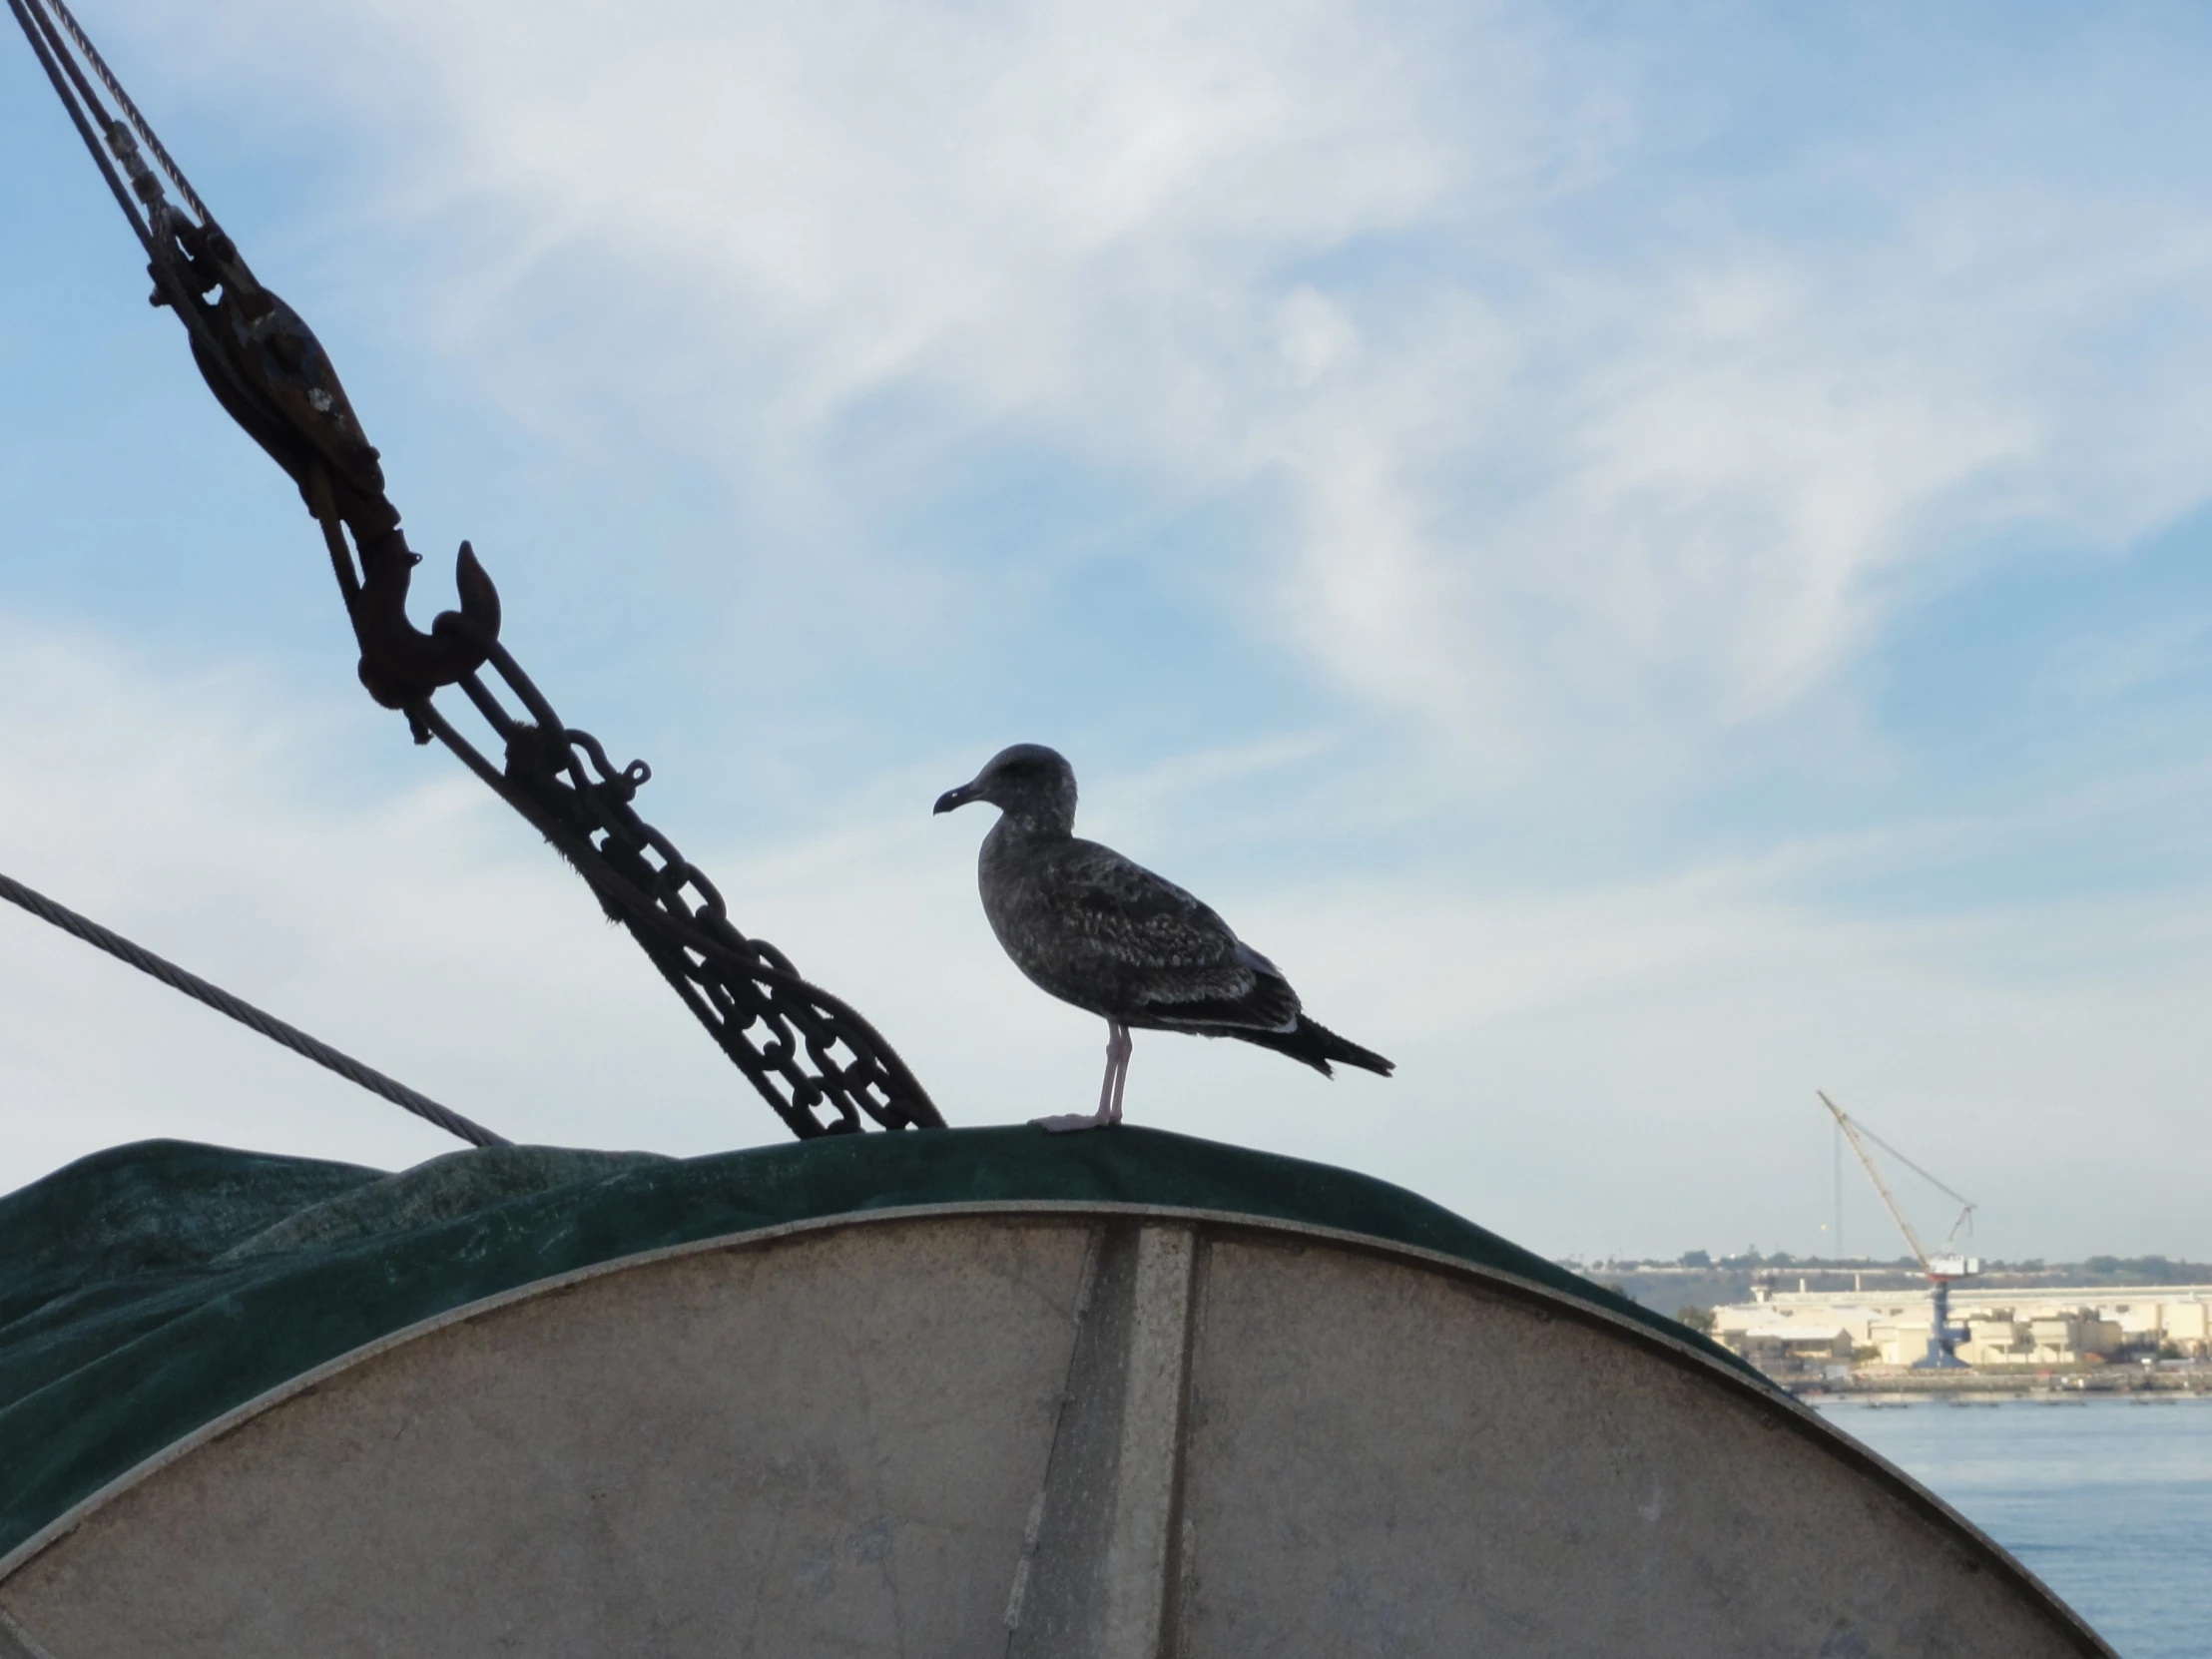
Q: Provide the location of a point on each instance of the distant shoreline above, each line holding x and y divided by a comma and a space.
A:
2105, 1383
1706, 1282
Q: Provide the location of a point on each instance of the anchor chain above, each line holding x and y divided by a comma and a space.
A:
821, 1066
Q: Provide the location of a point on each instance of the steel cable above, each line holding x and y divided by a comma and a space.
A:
62, 70
138, 122
269, 1025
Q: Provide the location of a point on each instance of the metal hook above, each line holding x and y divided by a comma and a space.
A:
401, 664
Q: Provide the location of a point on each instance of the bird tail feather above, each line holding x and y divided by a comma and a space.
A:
1317, 1045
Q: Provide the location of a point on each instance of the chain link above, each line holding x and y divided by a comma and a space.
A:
817, 1062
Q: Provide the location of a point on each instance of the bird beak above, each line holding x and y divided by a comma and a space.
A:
953, 797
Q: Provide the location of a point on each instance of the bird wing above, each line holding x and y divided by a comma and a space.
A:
1262, 1000
1175, 962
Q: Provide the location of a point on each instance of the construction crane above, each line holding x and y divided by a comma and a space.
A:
1943, 1267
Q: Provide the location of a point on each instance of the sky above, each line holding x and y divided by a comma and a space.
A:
1654, 557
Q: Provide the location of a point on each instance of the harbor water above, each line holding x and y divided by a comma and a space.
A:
2107, 1501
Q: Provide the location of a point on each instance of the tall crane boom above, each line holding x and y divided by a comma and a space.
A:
1940, 1270
1866, 1161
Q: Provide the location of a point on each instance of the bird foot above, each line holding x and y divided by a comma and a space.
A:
1069, 1122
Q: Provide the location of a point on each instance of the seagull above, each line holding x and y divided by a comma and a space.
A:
1095, 930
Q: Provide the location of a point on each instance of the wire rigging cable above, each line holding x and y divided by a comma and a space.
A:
267, 1025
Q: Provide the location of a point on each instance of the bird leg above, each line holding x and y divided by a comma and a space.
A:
1118, 1063
1118, 1050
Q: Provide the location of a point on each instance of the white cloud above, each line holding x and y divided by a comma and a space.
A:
422, 935
1582, 444
1581, 1069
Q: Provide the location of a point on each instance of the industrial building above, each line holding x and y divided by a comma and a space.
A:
2003, 1327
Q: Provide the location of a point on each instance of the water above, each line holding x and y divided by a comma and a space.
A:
2109, 1501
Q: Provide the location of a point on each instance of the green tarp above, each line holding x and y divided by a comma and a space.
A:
148, 1290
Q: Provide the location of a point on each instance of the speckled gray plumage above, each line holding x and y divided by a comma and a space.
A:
1100, 931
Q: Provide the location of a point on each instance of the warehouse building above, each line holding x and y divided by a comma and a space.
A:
1796, 1332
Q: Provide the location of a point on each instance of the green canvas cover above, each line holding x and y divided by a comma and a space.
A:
150, 1288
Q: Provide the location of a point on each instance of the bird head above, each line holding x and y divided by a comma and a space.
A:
1032, 785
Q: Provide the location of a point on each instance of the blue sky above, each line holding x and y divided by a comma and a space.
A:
1655, 557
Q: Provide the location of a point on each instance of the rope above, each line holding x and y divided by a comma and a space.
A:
269, 1025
